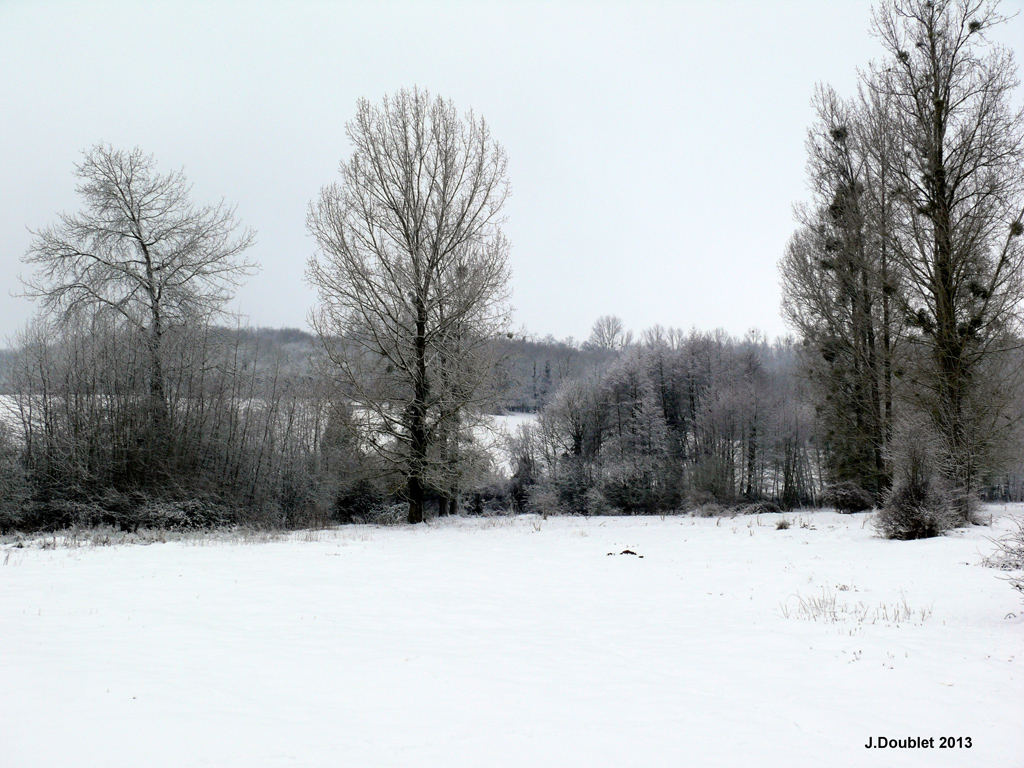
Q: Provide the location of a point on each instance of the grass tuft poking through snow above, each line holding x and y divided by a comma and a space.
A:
827, 609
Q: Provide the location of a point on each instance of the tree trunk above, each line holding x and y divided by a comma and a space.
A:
416, 500
418, 425
949, 346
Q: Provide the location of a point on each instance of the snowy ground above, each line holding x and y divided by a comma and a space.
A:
514, 642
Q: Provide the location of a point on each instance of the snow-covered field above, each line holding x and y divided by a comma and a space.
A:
494, 439
514, 642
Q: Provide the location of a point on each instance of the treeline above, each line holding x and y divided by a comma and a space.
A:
673, 422
254, 430
905, 278
245, 435
256, 433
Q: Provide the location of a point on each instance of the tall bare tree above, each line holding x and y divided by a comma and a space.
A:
837, 281
958, 185
412, 275
142, 250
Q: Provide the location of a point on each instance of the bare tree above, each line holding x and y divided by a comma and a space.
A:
958, 182
609, 332
412, 276
837, 280
141, 250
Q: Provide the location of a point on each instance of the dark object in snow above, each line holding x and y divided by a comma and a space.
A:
627, 552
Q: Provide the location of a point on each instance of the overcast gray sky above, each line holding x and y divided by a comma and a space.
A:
655, 149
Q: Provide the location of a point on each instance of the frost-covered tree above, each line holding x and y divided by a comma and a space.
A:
905, 278
958, 184
412, 274
609, 333
677, 420
142, 251
838, 284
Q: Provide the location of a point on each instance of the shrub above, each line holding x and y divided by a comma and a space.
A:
124, 511
697, 499
634, 494
14, 487
177, 515
916, 509
572, 486
543, 500
597, 504
760, 508
395, 513
710, 509
1010, 556
555, 498
360, 501
848, 497
519, 492
782, 525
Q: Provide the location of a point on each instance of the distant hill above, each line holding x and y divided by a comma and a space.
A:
536, 369
533, 371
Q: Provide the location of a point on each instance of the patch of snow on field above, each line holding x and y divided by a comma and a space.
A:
513, 642
494, 437
10, 415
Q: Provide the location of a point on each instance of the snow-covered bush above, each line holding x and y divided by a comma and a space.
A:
184, 515
360, 501
848, 497
597, 504
129, 512
488, 498
394, 513
543, 500
567, 498
760, 508
916, 508
710, 509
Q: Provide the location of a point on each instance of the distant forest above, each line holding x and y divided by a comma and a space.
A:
668, 422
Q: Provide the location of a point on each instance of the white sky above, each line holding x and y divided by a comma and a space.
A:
655, 149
